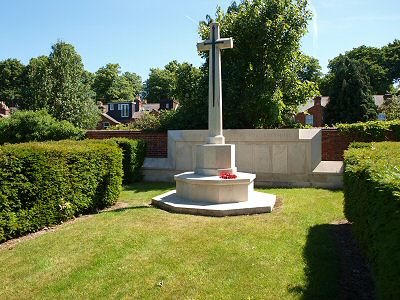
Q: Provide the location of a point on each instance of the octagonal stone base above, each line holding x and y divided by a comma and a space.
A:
258, 203
213, 189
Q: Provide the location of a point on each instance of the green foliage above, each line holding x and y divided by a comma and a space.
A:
37, 86
372, 203
261, 75
382, 66
43, 184
310, 68
162, 121
59, 84
11, 81
372, 130
351, 99
391, 108
71, 98
110, 85
25, 126
134, 152
161, 83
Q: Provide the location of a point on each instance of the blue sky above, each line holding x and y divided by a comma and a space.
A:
140, 35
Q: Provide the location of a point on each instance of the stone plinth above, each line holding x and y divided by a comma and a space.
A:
215, 159
213, 189
258, 203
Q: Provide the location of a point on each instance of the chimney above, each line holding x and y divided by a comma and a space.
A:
317, 101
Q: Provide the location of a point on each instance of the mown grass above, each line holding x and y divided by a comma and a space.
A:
140, 252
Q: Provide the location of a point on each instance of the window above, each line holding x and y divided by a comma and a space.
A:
106, 125
119, 106
310, 120
111, 106
125, 110
166, 105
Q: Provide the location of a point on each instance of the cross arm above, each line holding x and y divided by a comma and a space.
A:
226, 43
204, 46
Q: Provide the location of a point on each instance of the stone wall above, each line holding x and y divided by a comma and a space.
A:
333, 144
157, 142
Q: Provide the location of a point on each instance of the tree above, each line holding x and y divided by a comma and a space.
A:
310, 69
351, 98
260, 75
382, 66
104, 79
160, 84
110, 85
70, 97
391, 108
11, 81
391, 54
135, 83
37, 87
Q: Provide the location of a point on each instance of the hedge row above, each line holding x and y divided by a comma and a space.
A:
134, 152
43, 184
372, 203
376, 131
29, 126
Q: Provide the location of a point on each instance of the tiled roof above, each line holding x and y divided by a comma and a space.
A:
110, 118
325, 100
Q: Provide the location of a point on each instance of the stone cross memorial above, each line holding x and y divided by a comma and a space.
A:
206, 191
214, 45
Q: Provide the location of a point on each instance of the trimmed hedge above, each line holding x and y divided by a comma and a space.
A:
43, 184
373, 130
134, 152
28, 126
372, 203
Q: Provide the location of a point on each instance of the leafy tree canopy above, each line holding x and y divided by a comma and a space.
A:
382, 66
264, 75
60, 84
11, 80
351, 98
110, 85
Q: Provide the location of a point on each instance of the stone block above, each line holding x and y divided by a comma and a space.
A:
214, 159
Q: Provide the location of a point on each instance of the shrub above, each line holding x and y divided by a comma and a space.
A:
372, 130
43, 184
25, 126
372, 203
134, 152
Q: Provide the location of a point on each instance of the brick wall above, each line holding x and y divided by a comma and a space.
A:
157, 142
334, 144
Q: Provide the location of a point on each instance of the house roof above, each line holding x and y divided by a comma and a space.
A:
379, 100
110, 118
151, 106
310, 103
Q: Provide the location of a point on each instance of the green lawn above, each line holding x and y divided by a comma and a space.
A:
141, 252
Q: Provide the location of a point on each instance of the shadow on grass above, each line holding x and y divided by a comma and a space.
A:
122, 209
336, 268
322, 257
140, 187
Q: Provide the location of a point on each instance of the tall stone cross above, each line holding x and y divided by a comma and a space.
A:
215, 44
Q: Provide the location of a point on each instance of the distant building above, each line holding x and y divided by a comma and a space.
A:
122, 111
106, 121
312, 113
4, 110
168, 104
